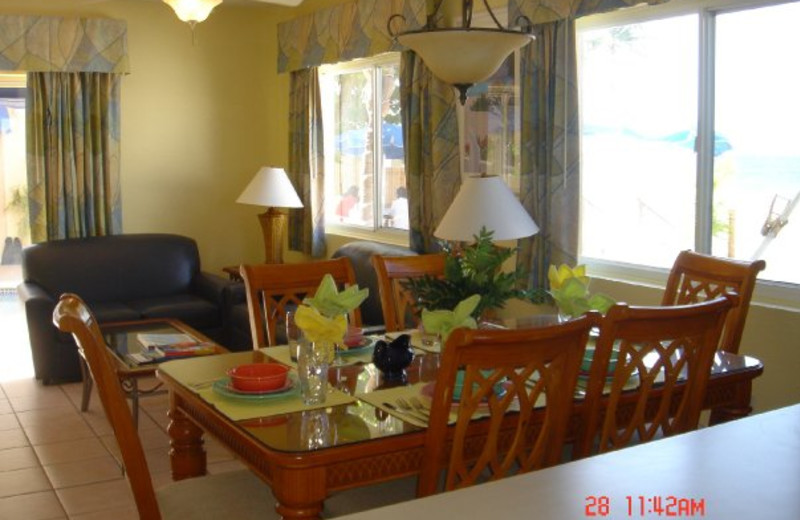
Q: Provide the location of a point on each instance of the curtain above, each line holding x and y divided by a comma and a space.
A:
73, 143
550, 150
430, 137
306, 163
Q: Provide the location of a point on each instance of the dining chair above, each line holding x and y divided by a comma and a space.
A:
531, 370
649, 372
697, 277
273, 289
237, 494
399, 308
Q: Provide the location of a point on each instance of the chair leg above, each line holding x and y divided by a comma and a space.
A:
88, 383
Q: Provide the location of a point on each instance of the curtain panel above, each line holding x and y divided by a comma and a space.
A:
430, 137
49, 44
547, 11
306, 164
73, 143
550, 188
345, 32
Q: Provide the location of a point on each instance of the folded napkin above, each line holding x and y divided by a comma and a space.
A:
443, 321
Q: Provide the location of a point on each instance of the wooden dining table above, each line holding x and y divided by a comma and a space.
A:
307, 455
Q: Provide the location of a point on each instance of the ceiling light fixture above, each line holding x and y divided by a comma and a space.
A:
192, 11
463, 56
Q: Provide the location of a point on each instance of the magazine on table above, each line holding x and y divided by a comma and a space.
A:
161, 347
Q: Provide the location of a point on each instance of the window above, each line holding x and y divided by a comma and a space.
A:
14, 222
365, 180
650, 185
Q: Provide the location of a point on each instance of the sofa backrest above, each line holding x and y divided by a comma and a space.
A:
113, 268
360, 252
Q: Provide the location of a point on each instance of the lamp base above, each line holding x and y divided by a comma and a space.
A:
273, 222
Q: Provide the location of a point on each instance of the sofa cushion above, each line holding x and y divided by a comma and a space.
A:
111, 311
195, 312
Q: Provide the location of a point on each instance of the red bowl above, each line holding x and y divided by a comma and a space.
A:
258, 377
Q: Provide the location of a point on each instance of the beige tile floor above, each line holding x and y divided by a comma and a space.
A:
59, 463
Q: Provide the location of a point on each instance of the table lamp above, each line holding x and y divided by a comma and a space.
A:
485, 201
271, 187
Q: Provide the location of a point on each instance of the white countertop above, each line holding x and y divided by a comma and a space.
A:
746, 469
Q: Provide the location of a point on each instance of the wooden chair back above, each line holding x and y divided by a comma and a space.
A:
697, 277
71, 315
400, 311
536, 368
665, 353
272, 289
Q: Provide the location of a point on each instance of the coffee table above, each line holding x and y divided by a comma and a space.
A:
121, 338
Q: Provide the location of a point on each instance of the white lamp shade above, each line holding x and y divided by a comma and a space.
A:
464, 56
192, 11
270, 187
485, 202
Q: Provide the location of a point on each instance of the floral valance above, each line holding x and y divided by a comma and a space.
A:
344, 32
545, 11
51, 44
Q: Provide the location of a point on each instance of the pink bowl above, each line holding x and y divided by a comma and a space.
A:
258, 377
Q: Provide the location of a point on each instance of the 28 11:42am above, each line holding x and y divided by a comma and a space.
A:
640, 506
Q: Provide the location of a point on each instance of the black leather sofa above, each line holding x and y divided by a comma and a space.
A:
122, 278
359, 253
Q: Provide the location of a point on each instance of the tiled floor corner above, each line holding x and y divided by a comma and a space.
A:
59, 463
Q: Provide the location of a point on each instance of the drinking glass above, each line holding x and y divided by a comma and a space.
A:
293, 336
312, 367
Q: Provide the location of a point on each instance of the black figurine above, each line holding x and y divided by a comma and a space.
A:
393, 358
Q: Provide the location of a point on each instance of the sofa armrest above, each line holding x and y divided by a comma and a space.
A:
211, 287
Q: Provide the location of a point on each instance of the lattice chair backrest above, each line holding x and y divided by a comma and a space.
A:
530, 372
661, 359
399, 306
273, 289
697, 277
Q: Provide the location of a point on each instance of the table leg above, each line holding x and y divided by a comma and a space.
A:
300, 493
742, 394
187, 455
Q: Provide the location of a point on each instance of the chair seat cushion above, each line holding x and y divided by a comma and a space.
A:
237, 494
192, 310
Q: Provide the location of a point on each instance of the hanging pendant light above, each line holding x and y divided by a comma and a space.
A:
463, 56
192, 11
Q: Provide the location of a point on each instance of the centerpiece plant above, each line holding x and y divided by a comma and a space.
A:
474, 269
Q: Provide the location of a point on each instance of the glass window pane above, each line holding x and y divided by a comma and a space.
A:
349, 167
757, 125
394, 199
638, 88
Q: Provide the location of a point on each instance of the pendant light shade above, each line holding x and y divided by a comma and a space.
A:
462, 56
192, 11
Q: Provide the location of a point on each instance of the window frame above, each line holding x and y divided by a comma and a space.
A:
772, 293
377, 232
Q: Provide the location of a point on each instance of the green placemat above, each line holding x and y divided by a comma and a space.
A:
246, 407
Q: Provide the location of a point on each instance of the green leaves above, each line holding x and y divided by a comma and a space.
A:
329, 302
474, 270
